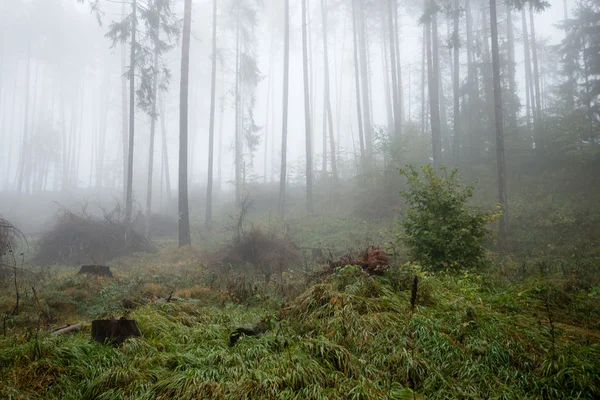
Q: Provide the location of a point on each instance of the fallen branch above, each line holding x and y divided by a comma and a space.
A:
68, 329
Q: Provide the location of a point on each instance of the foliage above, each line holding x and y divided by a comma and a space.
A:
440, 229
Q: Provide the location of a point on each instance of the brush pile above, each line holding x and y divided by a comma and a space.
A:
268, 254
9, 237
80, 239
373, 260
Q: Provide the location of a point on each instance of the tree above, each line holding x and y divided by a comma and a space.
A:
211, 129
327, 99
284, 128
184, 213
499, 122
309, 182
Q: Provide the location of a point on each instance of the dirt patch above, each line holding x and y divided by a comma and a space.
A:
373, 260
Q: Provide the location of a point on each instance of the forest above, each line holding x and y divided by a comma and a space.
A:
299, 199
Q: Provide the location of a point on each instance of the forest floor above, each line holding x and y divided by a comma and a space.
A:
517, 330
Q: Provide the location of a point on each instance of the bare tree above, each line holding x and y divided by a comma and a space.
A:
308, 139
211, 129
284, 128
184, 213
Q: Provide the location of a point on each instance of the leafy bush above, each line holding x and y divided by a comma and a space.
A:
440, 229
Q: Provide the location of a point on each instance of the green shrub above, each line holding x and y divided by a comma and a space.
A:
440, 229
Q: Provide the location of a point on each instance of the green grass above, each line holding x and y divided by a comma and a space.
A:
348, 337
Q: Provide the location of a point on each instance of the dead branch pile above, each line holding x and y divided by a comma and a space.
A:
373, 260
267, 253
79, 239
9, 238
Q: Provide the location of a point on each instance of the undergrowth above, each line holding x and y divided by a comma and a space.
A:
350, 336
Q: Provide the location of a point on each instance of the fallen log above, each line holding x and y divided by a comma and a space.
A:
68, 329
98, 270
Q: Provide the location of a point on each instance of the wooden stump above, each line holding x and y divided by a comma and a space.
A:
98, 270
114, 331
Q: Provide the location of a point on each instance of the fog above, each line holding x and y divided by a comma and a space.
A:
64, 90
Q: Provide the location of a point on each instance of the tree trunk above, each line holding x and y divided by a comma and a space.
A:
102, 136
124, 116
129, 197
512, 83
357, 85
500, 167
530, 97
395, 94
472, 84
328, 93
386, 68
238, 139
364, 68
423, 82
537, 112
211, 129
24, 144
184, 214
165, 149
455, 84
434, 93
398, 69
152, 135
309, 183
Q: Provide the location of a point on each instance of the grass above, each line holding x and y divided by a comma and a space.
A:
350, 336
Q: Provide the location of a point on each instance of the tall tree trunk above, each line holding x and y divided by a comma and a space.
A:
386, 68
328, 93
530, 97
211, 128
357, 85
153, 118
184, 212
500, 167
434, 93
455, 84
165, 149
364, 68
24, 145
400, 90
538, 126
512, 83
423, 81
125, 115
393, 63
309, 182
488, 78
441, 99
238, 133
129, 197
284, 127
270, 90
472, 84
102, 137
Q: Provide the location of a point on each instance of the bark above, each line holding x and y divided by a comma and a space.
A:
530, 97
434, 93
184, 215
238, 139
512, 83
165, 150
308, 139
124, 116
152, 135
357, 86
386, 68
102, 136
488, 78
129, 196
284, 127
398, 68
211, 128
455, 84
24, 143
537, 112
393, 63
364, 69
423, 82
473, 86
328, 93
500, 165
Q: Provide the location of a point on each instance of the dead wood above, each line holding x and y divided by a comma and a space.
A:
114, 331
98, 270
68, 329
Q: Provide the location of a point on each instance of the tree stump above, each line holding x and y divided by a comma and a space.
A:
98, 270
114, 331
